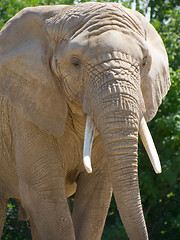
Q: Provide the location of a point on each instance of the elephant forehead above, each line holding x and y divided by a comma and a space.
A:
96, 18
107, 42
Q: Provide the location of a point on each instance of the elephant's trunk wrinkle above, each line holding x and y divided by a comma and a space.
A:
125, 101
122, 121
115, 59
117, 121
114, 81
119, 131
117, 86
116, 145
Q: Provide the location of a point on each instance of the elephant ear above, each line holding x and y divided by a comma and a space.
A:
155, 81
26, 78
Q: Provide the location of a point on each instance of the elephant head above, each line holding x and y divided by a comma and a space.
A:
98, 60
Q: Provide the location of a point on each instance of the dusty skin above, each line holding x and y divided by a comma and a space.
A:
58, 65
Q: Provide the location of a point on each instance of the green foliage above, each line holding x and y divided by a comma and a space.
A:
8, 8
114, 228
15, 230
160, 193
169, 30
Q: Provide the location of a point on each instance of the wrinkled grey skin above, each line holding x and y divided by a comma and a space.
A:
59, 64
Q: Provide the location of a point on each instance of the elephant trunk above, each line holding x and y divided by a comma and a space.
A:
121, 144
116, 117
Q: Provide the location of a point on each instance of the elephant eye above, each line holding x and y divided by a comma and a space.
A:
75, 62
144, 61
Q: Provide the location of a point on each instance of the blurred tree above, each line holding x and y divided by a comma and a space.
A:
160, 193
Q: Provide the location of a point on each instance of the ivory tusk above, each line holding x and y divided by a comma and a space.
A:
149, 145
88, 140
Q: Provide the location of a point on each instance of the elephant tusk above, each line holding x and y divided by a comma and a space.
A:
88, 140
149, 145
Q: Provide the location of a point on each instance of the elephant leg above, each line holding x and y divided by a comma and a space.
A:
3, 207
91, 204
51, 219
41, 184
50, 216
34, 232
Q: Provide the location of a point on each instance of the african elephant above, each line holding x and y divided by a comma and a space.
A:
59, 66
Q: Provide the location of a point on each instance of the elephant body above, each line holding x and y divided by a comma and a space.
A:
62, 161
59, 66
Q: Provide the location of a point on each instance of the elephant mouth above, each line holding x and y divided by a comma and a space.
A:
145, 137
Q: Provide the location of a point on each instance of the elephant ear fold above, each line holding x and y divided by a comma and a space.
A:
26, 78
155, 81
